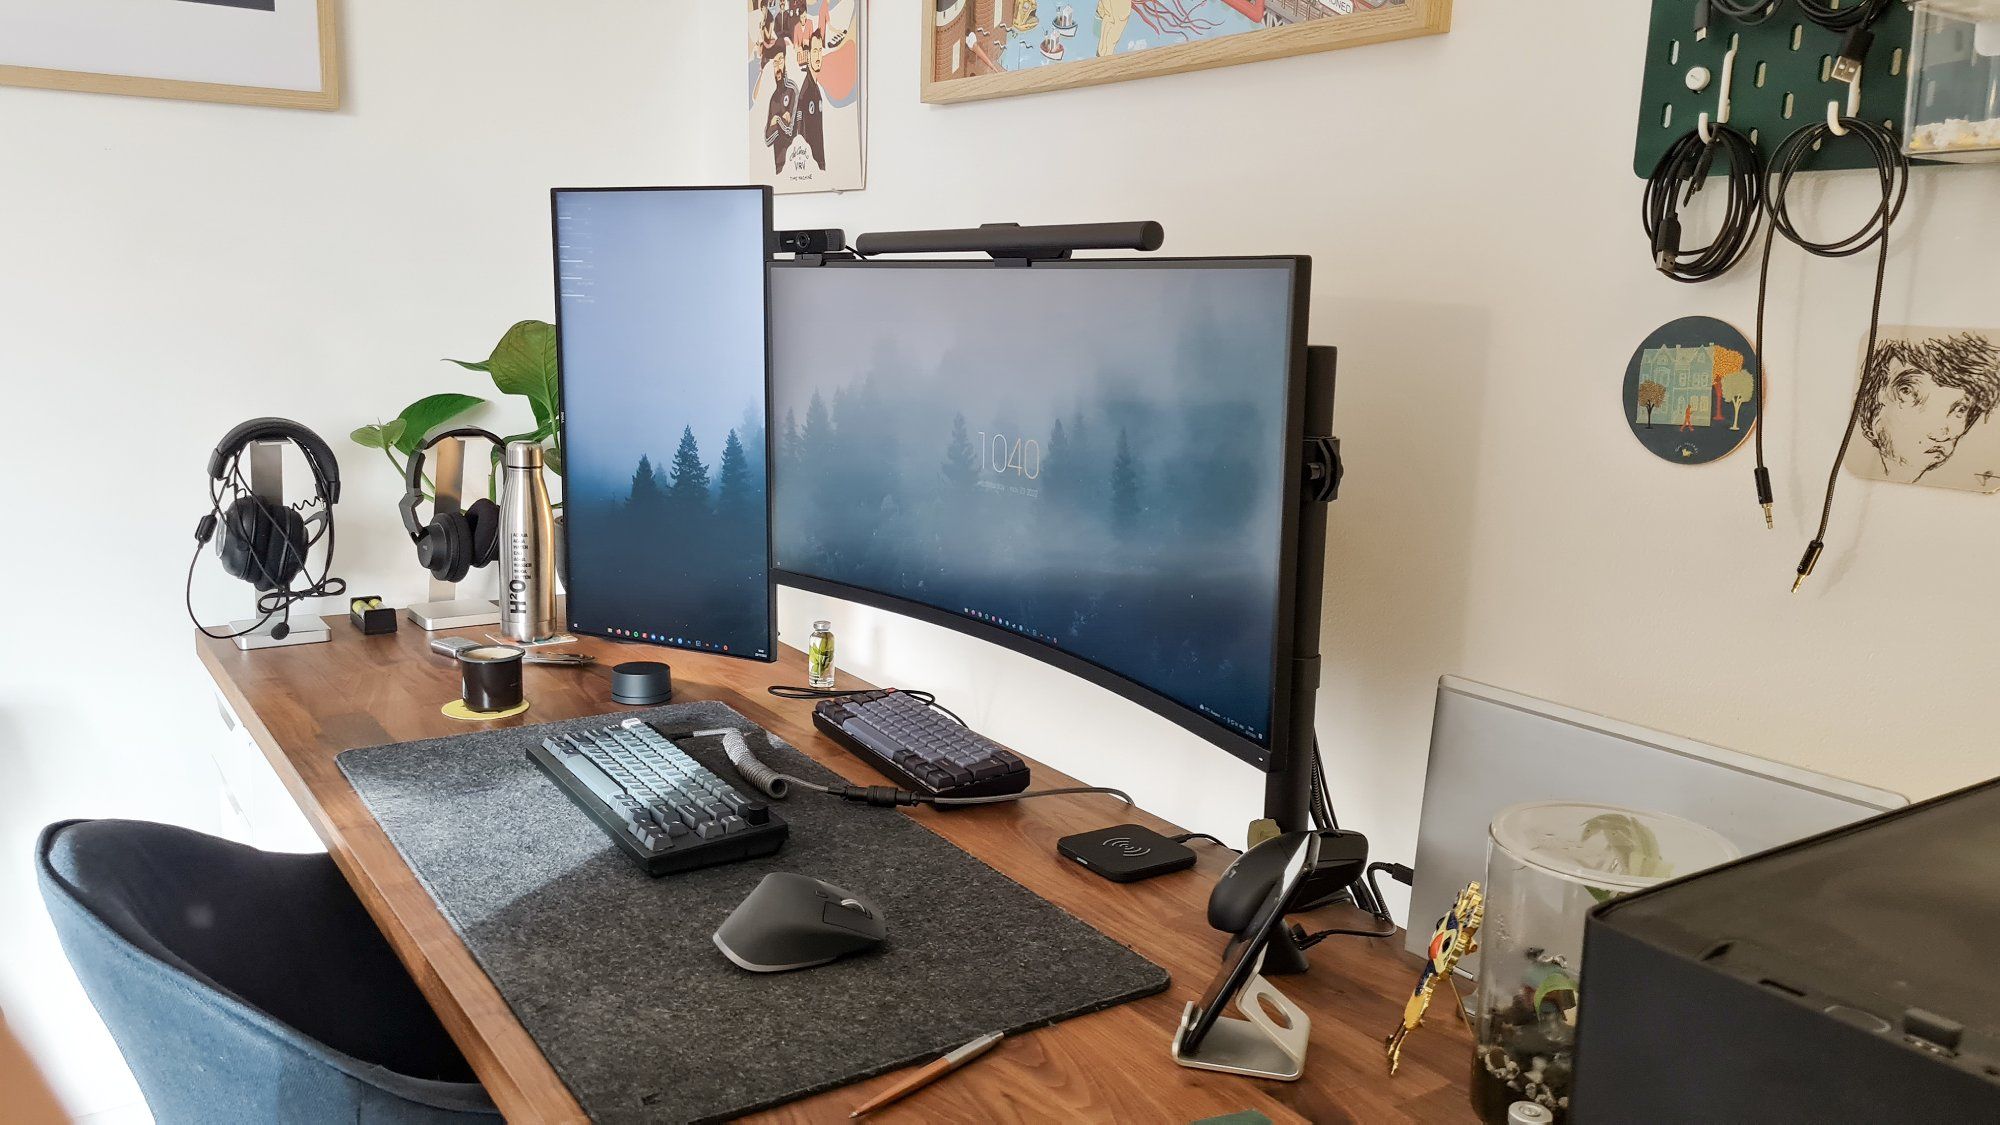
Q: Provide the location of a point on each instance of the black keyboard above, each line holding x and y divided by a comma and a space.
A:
664, 808
920, 749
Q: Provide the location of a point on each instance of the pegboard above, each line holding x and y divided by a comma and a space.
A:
1782, 80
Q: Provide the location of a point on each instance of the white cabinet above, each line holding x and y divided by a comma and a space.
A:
256, 808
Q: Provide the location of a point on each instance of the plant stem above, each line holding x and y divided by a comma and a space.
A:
403, 473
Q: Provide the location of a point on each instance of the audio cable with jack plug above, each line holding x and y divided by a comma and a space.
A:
1892, 173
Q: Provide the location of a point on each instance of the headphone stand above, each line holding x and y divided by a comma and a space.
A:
446, 610
267, 482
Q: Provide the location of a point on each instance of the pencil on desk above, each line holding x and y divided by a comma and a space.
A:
929, 1073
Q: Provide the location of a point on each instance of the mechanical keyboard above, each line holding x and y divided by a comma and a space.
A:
666, 810
920, 749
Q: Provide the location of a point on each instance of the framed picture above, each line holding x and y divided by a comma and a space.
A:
998, 48
806, 122
245, 52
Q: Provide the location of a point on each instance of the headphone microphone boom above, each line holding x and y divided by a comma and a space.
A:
265, 542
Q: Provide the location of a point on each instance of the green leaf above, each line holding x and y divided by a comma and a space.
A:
383, 435
1554, 982
552, 458
426, 414
524, 363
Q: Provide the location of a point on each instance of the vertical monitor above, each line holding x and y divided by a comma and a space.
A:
1095, 463
663, 329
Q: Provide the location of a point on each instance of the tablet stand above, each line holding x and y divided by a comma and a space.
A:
1258, 1046
267, 482
446, 610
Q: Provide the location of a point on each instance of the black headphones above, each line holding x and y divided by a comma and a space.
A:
455, 540
264, 542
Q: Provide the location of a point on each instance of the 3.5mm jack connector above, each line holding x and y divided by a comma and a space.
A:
1764, 495
1806, 564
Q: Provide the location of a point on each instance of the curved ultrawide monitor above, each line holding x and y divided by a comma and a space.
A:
1092, 462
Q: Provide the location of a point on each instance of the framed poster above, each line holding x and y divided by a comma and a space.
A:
997, 48
245, 52
805, 115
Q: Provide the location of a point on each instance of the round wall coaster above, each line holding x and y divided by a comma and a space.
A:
457, 709
1691, 390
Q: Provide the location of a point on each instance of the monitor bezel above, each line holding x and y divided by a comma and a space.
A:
1287, 632
562, 416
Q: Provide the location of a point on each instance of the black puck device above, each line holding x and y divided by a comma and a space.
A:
1126, 853
642, 683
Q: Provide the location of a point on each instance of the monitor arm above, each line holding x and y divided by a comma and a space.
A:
1288, 785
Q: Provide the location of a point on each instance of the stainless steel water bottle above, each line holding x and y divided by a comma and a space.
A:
527, 547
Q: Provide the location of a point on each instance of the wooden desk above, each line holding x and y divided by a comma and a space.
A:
305, 705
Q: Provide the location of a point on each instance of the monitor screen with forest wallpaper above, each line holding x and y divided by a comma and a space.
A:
663, 326
1085, 461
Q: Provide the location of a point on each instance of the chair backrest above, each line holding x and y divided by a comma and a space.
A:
243, 985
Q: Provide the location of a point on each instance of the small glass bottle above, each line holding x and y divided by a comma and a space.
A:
819, 656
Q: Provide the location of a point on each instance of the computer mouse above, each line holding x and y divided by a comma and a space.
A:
1248, 882
796, 922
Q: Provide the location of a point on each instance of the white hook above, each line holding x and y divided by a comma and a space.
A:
1722, 109
1833, 124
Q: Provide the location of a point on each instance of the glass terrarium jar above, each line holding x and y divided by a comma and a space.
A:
1546, 865
1954, 101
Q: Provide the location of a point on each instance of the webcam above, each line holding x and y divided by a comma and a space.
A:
809, 241
1126, 853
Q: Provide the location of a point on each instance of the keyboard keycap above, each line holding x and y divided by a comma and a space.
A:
596, 780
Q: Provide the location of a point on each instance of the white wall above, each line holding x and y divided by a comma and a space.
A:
168, 269
1471, 211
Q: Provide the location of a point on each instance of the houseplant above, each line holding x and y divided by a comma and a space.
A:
523, 363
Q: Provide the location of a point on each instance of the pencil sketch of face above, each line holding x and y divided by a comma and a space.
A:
1920, 396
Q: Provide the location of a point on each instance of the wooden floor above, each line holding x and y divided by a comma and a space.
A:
305, 705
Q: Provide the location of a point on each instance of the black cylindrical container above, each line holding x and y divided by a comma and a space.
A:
490, 677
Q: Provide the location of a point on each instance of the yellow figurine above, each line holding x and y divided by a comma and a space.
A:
1456, 936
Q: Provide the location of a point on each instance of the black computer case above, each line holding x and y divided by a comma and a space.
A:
1853, 976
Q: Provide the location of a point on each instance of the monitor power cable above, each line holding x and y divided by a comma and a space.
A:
1892, 173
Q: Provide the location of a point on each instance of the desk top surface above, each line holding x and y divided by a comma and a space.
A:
305, 704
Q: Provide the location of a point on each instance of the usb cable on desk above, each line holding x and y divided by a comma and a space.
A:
1397, 871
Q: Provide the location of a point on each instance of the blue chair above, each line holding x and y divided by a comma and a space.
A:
244, 985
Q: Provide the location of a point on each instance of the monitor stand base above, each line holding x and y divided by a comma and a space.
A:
1259, 1046
303, 630
457, 614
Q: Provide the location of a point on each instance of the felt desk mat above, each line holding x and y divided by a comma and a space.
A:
615, 974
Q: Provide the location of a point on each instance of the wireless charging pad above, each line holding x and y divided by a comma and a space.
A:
1126, 853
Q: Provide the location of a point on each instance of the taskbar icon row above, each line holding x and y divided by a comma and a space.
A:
665, 639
